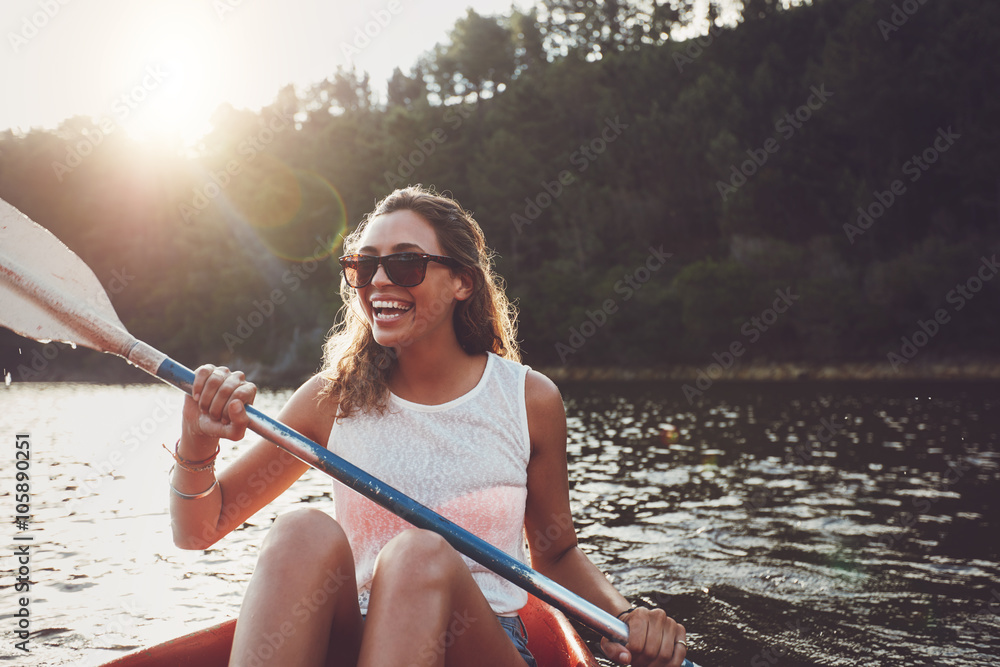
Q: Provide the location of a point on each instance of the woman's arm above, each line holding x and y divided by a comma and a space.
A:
547, 520
257, 477
552, 537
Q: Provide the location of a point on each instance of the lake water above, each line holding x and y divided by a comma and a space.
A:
790, 524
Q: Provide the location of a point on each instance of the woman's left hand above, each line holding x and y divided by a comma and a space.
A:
654, 640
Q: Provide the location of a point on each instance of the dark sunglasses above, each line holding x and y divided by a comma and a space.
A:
406, 269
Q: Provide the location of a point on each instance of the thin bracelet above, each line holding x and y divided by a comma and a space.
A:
192, 496
194, 466
627, 611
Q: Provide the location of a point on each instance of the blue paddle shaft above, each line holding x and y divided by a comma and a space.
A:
420, 516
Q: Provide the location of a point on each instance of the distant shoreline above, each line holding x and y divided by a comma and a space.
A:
752, 372
780, 372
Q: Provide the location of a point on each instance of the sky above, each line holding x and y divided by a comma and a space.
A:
161, 67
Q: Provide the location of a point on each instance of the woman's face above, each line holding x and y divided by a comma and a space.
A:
402, 316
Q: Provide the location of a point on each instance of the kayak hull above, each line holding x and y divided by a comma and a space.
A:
551, 639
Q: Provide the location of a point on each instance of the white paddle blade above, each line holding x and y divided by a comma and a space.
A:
48, 293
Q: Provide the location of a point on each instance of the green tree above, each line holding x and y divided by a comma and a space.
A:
478, 59
406, 91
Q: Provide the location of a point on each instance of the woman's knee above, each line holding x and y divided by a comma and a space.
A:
418, 557
306, 536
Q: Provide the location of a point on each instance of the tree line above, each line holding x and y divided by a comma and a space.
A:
650, 198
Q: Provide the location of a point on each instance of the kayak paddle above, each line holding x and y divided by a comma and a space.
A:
48, 293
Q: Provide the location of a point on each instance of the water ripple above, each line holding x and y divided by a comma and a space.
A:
805, 524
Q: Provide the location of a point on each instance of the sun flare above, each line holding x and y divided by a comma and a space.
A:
168, 67
166, 104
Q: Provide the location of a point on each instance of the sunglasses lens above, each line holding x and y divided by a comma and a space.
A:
358, 269
405, 269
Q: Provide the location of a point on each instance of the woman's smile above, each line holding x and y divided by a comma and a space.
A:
387, 310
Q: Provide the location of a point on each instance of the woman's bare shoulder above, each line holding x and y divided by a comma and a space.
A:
546, 413
540, 393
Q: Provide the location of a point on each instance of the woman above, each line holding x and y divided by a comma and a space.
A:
421, 388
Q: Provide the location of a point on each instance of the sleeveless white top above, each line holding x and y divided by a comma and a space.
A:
466, 459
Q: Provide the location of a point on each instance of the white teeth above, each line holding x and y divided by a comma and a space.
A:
391, 304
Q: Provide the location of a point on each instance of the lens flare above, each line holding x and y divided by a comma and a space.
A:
296, 213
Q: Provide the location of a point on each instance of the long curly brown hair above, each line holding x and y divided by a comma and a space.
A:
357, 367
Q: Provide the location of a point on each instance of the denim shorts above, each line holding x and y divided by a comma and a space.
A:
514, 627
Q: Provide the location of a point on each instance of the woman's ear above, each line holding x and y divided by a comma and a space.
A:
466, 284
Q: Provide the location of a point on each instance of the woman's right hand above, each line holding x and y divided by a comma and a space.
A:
215, 408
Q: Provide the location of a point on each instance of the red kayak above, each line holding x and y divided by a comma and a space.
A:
551, 639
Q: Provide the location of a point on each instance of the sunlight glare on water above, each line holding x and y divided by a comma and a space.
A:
819, 524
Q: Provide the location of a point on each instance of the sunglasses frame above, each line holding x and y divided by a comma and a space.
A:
425, 258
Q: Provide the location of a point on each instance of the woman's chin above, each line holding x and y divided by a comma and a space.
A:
387, 337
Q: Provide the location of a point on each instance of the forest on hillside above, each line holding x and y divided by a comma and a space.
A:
811, 183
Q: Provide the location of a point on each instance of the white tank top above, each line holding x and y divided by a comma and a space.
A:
466, 459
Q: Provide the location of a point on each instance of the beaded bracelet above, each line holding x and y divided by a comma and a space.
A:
193, 466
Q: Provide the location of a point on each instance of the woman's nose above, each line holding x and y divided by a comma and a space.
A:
381, 277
